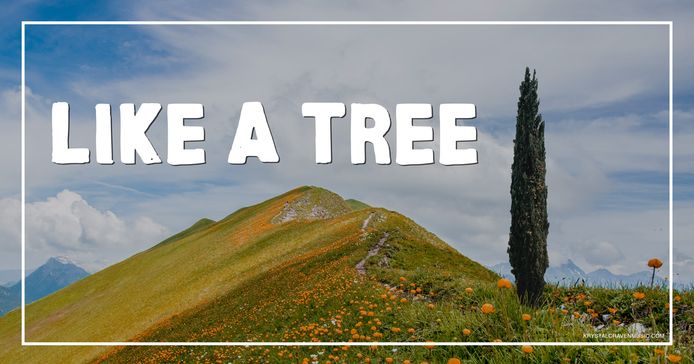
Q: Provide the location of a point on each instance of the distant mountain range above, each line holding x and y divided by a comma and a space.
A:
53, 275
569, 273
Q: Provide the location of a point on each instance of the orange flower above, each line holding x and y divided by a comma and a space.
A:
454, 361
587, 303
467, 332
527, 349
469, 290
403, 279
659, 351
616, 322
639, 295
526, 317
504, 283
406, 361
429, 346
487, 308
674, 358
431, 306
389, 360
655, 263
612, 310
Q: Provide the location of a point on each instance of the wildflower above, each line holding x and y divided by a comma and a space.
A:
403, 300
406, 361
389, 360
487, 308
503, 283
677, 298
467, 332
616, 322
469, 290
612, 310
639, 295
527, 349
526, 317
410, 330
659, 351
431, 306
674, 358
454, 361
654, 263
403, 279
587, 303
429, 346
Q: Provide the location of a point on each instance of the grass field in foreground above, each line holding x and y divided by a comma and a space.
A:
308, 266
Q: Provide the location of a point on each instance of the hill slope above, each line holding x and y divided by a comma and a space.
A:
261, 273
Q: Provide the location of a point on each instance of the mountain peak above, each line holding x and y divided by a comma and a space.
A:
313, 203
61, 260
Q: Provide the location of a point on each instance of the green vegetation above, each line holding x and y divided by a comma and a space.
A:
527, 245
199, 225
368, 275
356, 204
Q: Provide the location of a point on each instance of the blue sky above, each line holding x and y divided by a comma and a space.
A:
606, 128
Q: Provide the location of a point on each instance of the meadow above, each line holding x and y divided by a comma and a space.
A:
308, 266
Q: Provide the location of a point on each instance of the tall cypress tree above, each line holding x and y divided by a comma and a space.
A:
527, 245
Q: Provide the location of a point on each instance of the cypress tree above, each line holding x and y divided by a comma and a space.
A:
527, 245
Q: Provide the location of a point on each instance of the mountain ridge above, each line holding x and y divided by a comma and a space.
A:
56, 273
260, 251
569, 273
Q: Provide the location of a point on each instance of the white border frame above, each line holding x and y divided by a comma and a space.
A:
669, 24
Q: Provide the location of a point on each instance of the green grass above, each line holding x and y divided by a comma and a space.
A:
199, 225
246, 279
356, 204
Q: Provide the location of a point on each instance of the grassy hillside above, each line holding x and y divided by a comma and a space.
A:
308, 266
356, 204
191, 270
197, 226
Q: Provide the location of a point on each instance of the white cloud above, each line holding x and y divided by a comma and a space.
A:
68, 225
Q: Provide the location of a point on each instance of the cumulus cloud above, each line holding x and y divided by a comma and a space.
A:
66, 224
